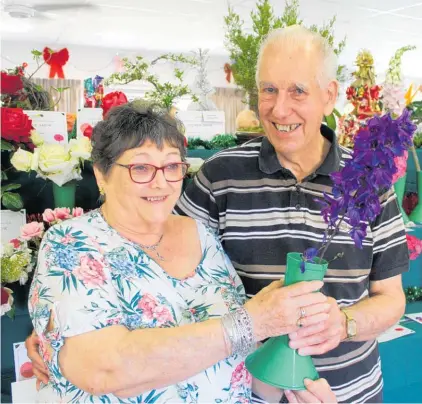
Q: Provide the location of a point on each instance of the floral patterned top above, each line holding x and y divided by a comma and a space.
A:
91, 277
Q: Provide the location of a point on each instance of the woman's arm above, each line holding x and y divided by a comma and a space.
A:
115, 360
127, 363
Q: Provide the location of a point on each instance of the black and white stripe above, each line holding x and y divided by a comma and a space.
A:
261, 213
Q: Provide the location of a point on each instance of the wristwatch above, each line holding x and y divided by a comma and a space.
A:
351, 327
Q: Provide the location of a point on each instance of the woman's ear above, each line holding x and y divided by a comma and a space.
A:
100, 178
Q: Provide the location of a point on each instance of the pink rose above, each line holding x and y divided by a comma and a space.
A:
91, 271
241, 376
33, 229
414, 245
49, 216
62, 213
76, 212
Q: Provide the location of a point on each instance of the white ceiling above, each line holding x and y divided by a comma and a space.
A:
379, 25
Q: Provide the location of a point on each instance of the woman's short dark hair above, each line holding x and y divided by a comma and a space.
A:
129, 126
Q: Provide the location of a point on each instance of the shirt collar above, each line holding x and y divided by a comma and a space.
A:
269, 163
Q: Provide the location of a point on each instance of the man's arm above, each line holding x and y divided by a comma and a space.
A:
386, 302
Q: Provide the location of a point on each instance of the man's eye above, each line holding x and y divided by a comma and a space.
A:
269, 90
299, 91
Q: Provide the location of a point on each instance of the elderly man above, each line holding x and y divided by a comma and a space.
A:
260, 199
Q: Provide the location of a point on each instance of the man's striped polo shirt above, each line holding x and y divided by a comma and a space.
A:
261, 213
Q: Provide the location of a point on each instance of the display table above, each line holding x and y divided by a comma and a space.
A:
402, 363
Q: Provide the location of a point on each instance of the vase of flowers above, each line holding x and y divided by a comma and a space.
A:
59, 163
353, 202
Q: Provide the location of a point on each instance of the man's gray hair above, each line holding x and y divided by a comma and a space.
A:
299, 36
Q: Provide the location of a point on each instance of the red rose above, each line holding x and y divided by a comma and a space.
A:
10, 84
350, 92
113, 99
87, 132
15, 125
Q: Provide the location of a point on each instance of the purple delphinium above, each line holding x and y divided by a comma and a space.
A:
368, 173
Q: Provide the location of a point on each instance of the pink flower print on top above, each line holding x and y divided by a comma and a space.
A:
240, 376
147, 304
91, 271
162, 315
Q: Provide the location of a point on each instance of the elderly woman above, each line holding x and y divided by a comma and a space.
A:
133, 304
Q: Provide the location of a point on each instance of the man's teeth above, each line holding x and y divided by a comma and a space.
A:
156, 198
287, 128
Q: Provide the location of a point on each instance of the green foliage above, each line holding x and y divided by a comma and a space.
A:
218, 142
416, 109
417, 140
223, 141
244, 47
6, 145
11, 200
163, 94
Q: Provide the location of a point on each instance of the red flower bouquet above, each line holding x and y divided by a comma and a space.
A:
113, 99
15, 125
10, 83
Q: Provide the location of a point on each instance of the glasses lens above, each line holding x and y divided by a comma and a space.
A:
142, 173
175, 172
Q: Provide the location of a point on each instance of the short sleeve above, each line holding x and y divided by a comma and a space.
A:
73, 283
198, 201
390, 251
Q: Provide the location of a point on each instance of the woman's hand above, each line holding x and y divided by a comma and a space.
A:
38, 365
318, 391
275, 310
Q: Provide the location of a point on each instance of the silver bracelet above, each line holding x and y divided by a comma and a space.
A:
238, 331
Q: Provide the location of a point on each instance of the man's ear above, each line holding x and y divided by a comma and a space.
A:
331, 97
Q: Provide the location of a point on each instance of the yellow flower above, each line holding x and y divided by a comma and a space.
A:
36, 138
53, 158
80, 148
22, 160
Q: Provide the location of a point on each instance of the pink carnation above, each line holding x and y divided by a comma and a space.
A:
49, 216
31, 230
16, 243
62, 213
76, 212
91, 271
401, 165
415, 246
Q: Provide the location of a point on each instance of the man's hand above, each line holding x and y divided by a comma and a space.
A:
38, 366
323, 337
317, 391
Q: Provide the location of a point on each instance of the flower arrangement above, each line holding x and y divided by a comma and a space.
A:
364, 98
370, 171
19, 256
59, 163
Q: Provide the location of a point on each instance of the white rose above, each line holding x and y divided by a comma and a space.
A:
22, 160
80, 148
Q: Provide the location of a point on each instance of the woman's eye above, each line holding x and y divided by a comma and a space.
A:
140, 168
172, 167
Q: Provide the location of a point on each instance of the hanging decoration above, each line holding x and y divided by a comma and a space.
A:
56, 61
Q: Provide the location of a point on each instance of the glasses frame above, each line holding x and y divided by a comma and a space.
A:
129, 167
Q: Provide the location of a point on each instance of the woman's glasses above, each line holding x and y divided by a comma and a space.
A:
144, 173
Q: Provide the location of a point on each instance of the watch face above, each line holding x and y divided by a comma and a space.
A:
351, 328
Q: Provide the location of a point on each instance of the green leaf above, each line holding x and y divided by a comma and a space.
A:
6, 145
12, 201
331, 121
60, 89
9, 187
3, 175
36, 53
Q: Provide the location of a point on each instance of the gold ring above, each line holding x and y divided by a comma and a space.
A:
302, 312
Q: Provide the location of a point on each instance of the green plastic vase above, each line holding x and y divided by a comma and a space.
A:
400, 187
416, 215
274, 362
64, 196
